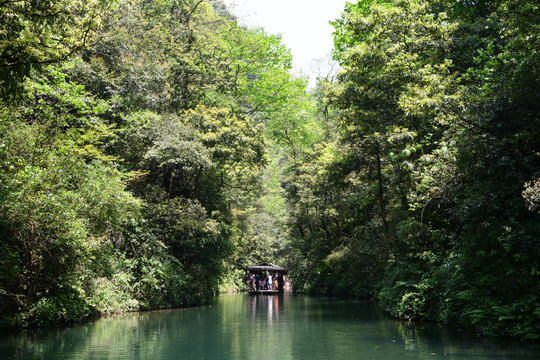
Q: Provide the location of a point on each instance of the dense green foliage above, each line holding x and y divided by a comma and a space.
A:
43, 32
152, 149
428, 200
133, 149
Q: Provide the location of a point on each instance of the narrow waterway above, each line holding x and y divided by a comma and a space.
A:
256, 327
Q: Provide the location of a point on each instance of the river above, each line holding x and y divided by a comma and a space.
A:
240, 326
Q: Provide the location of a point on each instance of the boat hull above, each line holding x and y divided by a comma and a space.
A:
267, 292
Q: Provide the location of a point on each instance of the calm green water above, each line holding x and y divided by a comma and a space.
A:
255, 327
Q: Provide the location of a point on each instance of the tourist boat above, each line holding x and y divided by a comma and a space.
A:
266, 279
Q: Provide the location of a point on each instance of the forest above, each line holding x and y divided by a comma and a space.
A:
151, 150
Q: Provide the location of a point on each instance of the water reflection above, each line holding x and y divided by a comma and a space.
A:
265, 306
255, 327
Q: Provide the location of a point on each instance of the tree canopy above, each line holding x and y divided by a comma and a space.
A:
429, 204
133, 145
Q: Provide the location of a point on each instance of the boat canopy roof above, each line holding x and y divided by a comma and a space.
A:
264, 267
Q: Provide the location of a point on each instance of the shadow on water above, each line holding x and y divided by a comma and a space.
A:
255, 327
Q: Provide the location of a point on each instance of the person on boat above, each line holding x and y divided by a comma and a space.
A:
252, 285
269, 281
